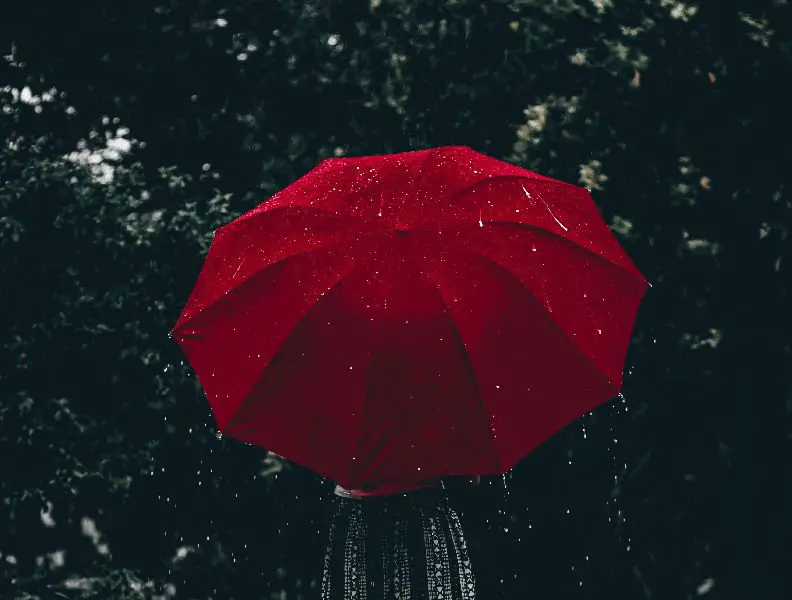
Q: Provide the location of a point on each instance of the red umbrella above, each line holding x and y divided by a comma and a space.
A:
388, 319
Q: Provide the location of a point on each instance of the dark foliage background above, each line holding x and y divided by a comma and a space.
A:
131, 129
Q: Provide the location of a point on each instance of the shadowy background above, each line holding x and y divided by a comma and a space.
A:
130, 130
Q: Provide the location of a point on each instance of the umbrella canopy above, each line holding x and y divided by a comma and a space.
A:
387, 319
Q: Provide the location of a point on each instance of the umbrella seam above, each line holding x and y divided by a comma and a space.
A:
555, 325
466, 357
360, 412
565, 240
526, 177
536, 181
256, 273
308, 309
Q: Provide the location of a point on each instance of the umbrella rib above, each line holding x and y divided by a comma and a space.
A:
510, 275
525, 177
534, 227
353, 267
261, 271
465, 357
540, 230
361, 408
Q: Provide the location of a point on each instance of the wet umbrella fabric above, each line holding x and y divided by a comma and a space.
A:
387, 319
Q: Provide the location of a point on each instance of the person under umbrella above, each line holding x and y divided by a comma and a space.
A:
387, 321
